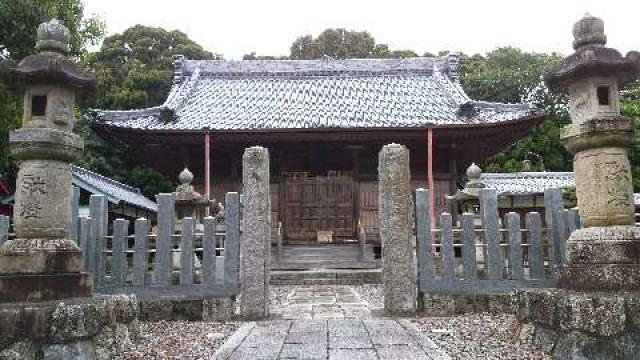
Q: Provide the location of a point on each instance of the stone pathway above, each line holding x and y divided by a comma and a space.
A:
328, 322
322, 302
348, 339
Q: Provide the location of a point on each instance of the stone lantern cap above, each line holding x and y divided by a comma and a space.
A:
472, 187
185, 193
592, 58
50, 66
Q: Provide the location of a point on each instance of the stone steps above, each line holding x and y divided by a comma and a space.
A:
326, 277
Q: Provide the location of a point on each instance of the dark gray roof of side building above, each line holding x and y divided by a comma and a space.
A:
116, 192
527, 183
310, 94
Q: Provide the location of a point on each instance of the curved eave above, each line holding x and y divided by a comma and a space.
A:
536, 115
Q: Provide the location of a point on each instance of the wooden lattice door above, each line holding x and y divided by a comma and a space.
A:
319, 203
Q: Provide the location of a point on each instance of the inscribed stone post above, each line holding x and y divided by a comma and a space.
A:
398, 271
256, 238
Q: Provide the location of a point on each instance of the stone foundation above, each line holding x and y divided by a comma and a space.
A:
85, 328
213, 309
461, 304
576, 325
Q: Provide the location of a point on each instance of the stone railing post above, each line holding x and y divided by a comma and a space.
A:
256, 238
398, 269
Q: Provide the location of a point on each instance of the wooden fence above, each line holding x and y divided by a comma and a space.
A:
491, 258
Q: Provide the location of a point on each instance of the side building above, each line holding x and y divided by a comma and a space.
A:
324, 122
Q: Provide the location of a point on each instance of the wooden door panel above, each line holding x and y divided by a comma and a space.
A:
318, 203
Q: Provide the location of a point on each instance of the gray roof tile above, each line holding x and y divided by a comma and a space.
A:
115, 191
305, 94
527, 183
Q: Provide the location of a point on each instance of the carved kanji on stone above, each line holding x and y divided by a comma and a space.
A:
30, 210
32, 184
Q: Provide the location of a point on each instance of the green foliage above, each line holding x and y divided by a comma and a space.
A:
630, 106
569, 196
343, 44
108, 161
134, 68
509, 75
19, 20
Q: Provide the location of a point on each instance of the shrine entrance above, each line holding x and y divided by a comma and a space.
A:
318, 209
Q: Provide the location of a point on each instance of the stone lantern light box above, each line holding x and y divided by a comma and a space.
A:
50, 81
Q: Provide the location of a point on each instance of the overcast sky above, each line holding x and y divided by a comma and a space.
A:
268, 27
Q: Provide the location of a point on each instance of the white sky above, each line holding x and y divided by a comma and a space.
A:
268, 27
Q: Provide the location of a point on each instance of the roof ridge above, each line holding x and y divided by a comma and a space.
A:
220, 66
529, 174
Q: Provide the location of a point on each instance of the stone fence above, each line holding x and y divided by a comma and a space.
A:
489, 257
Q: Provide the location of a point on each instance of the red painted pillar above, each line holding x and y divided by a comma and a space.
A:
432, 192
207, 168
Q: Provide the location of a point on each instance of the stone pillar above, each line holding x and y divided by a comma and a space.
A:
398, 269
594, 313
42, 263
256, 237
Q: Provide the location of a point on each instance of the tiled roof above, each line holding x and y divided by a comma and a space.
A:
115, 192
306, 94
527, 183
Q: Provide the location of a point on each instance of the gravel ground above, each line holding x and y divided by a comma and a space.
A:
180, 339
469, 336
371, 293
462, 337
479, 337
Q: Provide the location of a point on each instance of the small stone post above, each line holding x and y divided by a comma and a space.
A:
42, 263
398, 269
256, 237
594, 312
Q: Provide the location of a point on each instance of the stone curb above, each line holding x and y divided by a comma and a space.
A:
234, 341
429, 347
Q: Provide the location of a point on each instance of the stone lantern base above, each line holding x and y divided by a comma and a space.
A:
87, 328
579, 325
41, 270
605, 258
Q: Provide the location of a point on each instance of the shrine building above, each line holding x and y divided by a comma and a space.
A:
324, 122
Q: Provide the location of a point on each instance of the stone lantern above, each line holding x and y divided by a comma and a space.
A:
188, 202
594, 312
42, 263
467, 199
604, 254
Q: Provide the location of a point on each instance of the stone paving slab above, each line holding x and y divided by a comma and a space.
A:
348, 339
323, 302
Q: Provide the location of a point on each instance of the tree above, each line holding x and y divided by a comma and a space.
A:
630, 106
134, 70
509, 75
19, 20
343, 44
